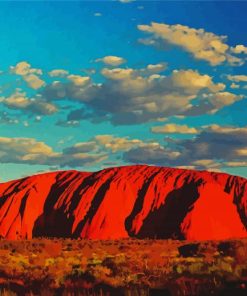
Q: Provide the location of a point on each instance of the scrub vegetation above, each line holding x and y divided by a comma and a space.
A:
123, 267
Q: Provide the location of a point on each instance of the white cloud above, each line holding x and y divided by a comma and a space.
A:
23, 150
111, 60
130, 96
239, 49
156, 68
24, 68
201, 44
29, 74
172, 128
78, 80
213, 148
58, 73
31, 151
19, 101
116, 144
236, 164
221, 99
34, 81
237, 78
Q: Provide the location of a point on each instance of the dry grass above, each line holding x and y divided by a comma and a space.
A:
126, 267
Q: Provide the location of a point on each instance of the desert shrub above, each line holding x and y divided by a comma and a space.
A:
189, 250
226, 248
79, 279
111, 264
94, 261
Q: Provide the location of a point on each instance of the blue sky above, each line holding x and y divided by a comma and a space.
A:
156, 82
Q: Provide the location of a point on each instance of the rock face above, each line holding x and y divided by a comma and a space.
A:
132, 201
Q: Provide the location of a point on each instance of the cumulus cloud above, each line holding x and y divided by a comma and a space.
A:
217, 143
82, 147
58, 73
129, 96
24, 150
112, 60
107, 142
97, 149
150, 154
213, 148
33, 81
19, 101
232, 164
24, 68
237, 78
239, 49
31, 151
116, 144
155, 68
78, 80
125, 95
172, 128
29, 74
201, 44
212, 102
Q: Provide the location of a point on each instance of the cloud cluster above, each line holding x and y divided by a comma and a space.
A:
30, 75
213, 148
125, 95
31, 151
24, 150
99, 148
130, 96
201, 44
110, 143
19, 101
120, 144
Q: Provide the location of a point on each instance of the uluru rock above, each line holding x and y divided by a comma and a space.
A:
132, 201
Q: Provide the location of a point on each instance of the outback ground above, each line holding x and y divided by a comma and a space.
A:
127, 267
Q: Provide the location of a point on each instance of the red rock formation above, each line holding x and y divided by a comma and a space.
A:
139, 201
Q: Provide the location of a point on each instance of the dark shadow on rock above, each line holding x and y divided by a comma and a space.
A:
139, 203
239, 192
98, 198
164, 222
54, 222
